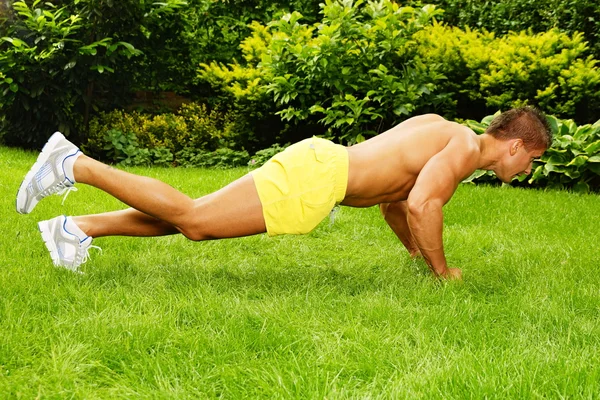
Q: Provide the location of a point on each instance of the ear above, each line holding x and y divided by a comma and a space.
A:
515, 145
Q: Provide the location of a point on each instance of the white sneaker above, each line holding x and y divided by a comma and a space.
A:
67, 244
52, 173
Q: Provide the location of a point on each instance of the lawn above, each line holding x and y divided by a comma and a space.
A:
340, 313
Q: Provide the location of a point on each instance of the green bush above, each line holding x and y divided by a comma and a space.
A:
218, 27
194, 136
264, 155
573, 160
193, 126
368, 65
124, 149
242, 90
503, 16
220, 158
62, 61
356, 72
486, 73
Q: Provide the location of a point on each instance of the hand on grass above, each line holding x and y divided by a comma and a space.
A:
452, 274
415, 254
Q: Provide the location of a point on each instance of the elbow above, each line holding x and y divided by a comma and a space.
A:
416, 206
420, 208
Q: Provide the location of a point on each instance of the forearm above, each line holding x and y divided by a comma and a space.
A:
426, 224
395, 215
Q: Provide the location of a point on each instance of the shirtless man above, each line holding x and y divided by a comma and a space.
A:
410, 171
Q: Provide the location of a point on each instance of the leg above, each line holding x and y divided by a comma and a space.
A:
129, 222
232, 211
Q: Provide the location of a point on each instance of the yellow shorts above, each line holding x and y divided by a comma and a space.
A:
300, 186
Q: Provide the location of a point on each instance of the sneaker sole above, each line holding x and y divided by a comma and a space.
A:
42, 158
44, 228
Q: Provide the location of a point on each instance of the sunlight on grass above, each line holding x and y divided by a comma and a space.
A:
340, 313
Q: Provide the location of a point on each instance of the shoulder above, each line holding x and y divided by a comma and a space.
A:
460, 135
461, 151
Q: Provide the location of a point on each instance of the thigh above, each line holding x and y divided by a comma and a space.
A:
232, 211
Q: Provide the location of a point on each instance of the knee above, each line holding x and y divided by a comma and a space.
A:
195, 233
195, 226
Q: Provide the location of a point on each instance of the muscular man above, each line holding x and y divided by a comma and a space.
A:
410, 171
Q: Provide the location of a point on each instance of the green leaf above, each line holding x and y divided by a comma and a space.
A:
578, 161
564, 141
553, 122
581, 187
537, 174
477, 174
15, 42
401, 110
129, 46
593, 148
477, 127
570, 124
488, 120
572, 174
595, 168
556, 160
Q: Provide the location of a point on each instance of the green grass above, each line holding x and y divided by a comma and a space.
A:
340, 313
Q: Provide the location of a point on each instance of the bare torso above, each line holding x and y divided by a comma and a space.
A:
384, 169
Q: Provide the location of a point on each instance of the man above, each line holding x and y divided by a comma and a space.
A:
410, 171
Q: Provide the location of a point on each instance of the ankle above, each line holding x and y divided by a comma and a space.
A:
81, 168
82, 225
69, 166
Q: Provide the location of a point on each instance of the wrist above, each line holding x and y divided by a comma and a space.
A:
442, 271
414, 252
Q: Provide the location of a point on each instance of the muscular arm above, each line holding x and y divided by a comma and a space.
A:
395, 214
433, 188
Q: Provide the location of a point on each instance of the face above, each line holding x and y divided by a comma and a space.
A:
518, 161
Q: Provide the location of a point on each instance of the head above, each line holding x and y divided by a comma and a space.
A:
525, 135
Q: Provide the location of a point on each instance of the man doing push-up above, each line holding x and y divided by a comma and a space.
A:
410, 171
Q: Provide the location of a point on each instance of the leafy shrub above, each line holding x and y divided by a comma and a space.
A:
486, 73
262, 156
124, 149
573, 160
121, 147
207, 129
220, 158
58, 63
193, 136
503, 16
192, 127
356, 71
242, 90
218, 27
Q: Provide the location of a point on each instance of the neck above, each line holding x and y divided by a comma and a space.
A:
490, 152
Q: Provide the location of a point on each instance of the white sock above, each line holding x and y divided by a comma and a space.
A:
68, 163
71, 227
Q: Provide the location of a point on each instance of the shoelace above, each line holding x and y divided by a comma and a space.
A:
82, 256
59, 189
66, 190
